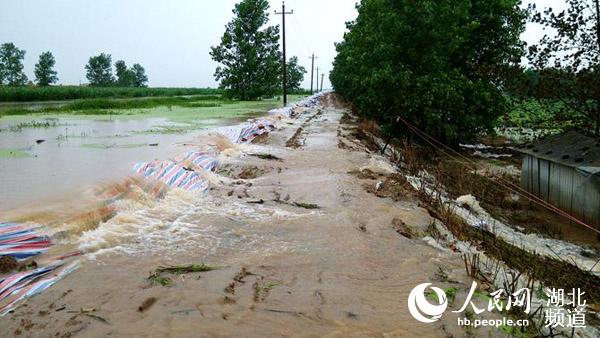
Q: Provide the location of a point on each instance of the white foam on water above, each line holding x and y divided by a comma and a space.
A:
183, 220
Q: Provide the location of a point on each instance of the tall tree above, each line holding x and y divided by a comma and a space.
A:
45, 74
249, 54
438, 64
568, 62
140, 79
11, 65
125, 76
295, 74
99, 70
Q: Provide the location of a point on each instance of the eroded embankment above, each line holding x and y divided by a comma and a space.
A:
295, 245
517, 255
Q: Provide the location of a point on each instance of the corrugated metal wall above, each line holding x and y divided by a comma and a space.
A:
573, 191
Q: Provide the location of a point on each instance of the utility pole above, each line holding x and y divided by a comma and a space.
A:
322, 77
283, 13
312, 71
317, 79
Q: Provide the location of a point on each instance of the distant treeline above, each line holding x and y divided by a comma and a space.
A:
23, 94
99, 70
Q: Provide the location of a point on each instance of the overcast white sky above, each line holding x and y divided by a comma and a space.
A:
171, 39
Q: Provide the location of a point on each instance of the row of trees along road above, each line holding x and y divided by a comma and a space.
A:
438, 64
250, 57
11, 67
99, 72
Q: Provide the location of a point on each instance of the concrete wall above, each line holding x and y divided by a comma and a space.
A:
575, 192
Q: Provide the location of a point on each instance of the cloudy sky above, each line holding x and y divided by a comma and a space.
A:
171, 39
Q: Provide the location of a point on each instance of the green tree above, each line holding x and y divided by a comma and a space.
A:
45, 74
438, 64
568, 62
249, 53
295, 74
140, 79
11, 65
125, 76
99, 70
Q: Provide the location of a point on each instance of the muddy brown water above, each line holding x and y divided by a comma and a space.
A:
337, 271
74, 155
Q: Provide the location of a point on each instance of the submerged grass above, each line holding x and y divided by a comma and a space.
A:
181, 269
267, 157
309, 206
46, 123
158, 278
13, 153
114, 145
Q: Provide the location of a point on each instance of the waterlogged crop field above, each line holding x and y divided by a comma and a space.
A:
59, 150
56, 93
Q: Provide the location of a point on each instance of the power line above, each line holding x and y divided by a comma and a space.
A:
300, 32
501, 181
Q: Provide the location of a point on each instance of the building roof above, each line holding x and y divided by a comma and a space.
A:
571, 149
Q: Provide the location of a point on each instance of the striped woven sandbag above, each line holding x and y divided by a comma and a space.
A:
231, 133
11, 228
206, 160
21, 241
22, 285
173, 175
244, 132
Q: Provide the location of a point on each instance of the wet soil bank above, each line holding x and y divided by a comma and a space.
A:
296, 241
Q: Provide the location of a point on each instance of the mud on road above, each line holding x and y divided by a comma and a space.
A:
300, 248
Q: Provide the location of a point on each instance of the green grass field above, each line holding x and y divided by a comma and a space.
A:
98, 106
60, 93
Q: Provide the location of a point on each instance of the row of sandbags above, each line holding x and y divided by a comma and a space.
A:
22, 242
22, 285
290, 111
180, 174
185, 171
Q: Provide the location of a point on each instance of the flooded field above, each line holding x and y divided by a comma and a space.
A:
44, 157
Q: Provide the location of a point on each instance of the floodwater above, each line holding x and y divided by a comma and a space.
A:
69, 155
281, 270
